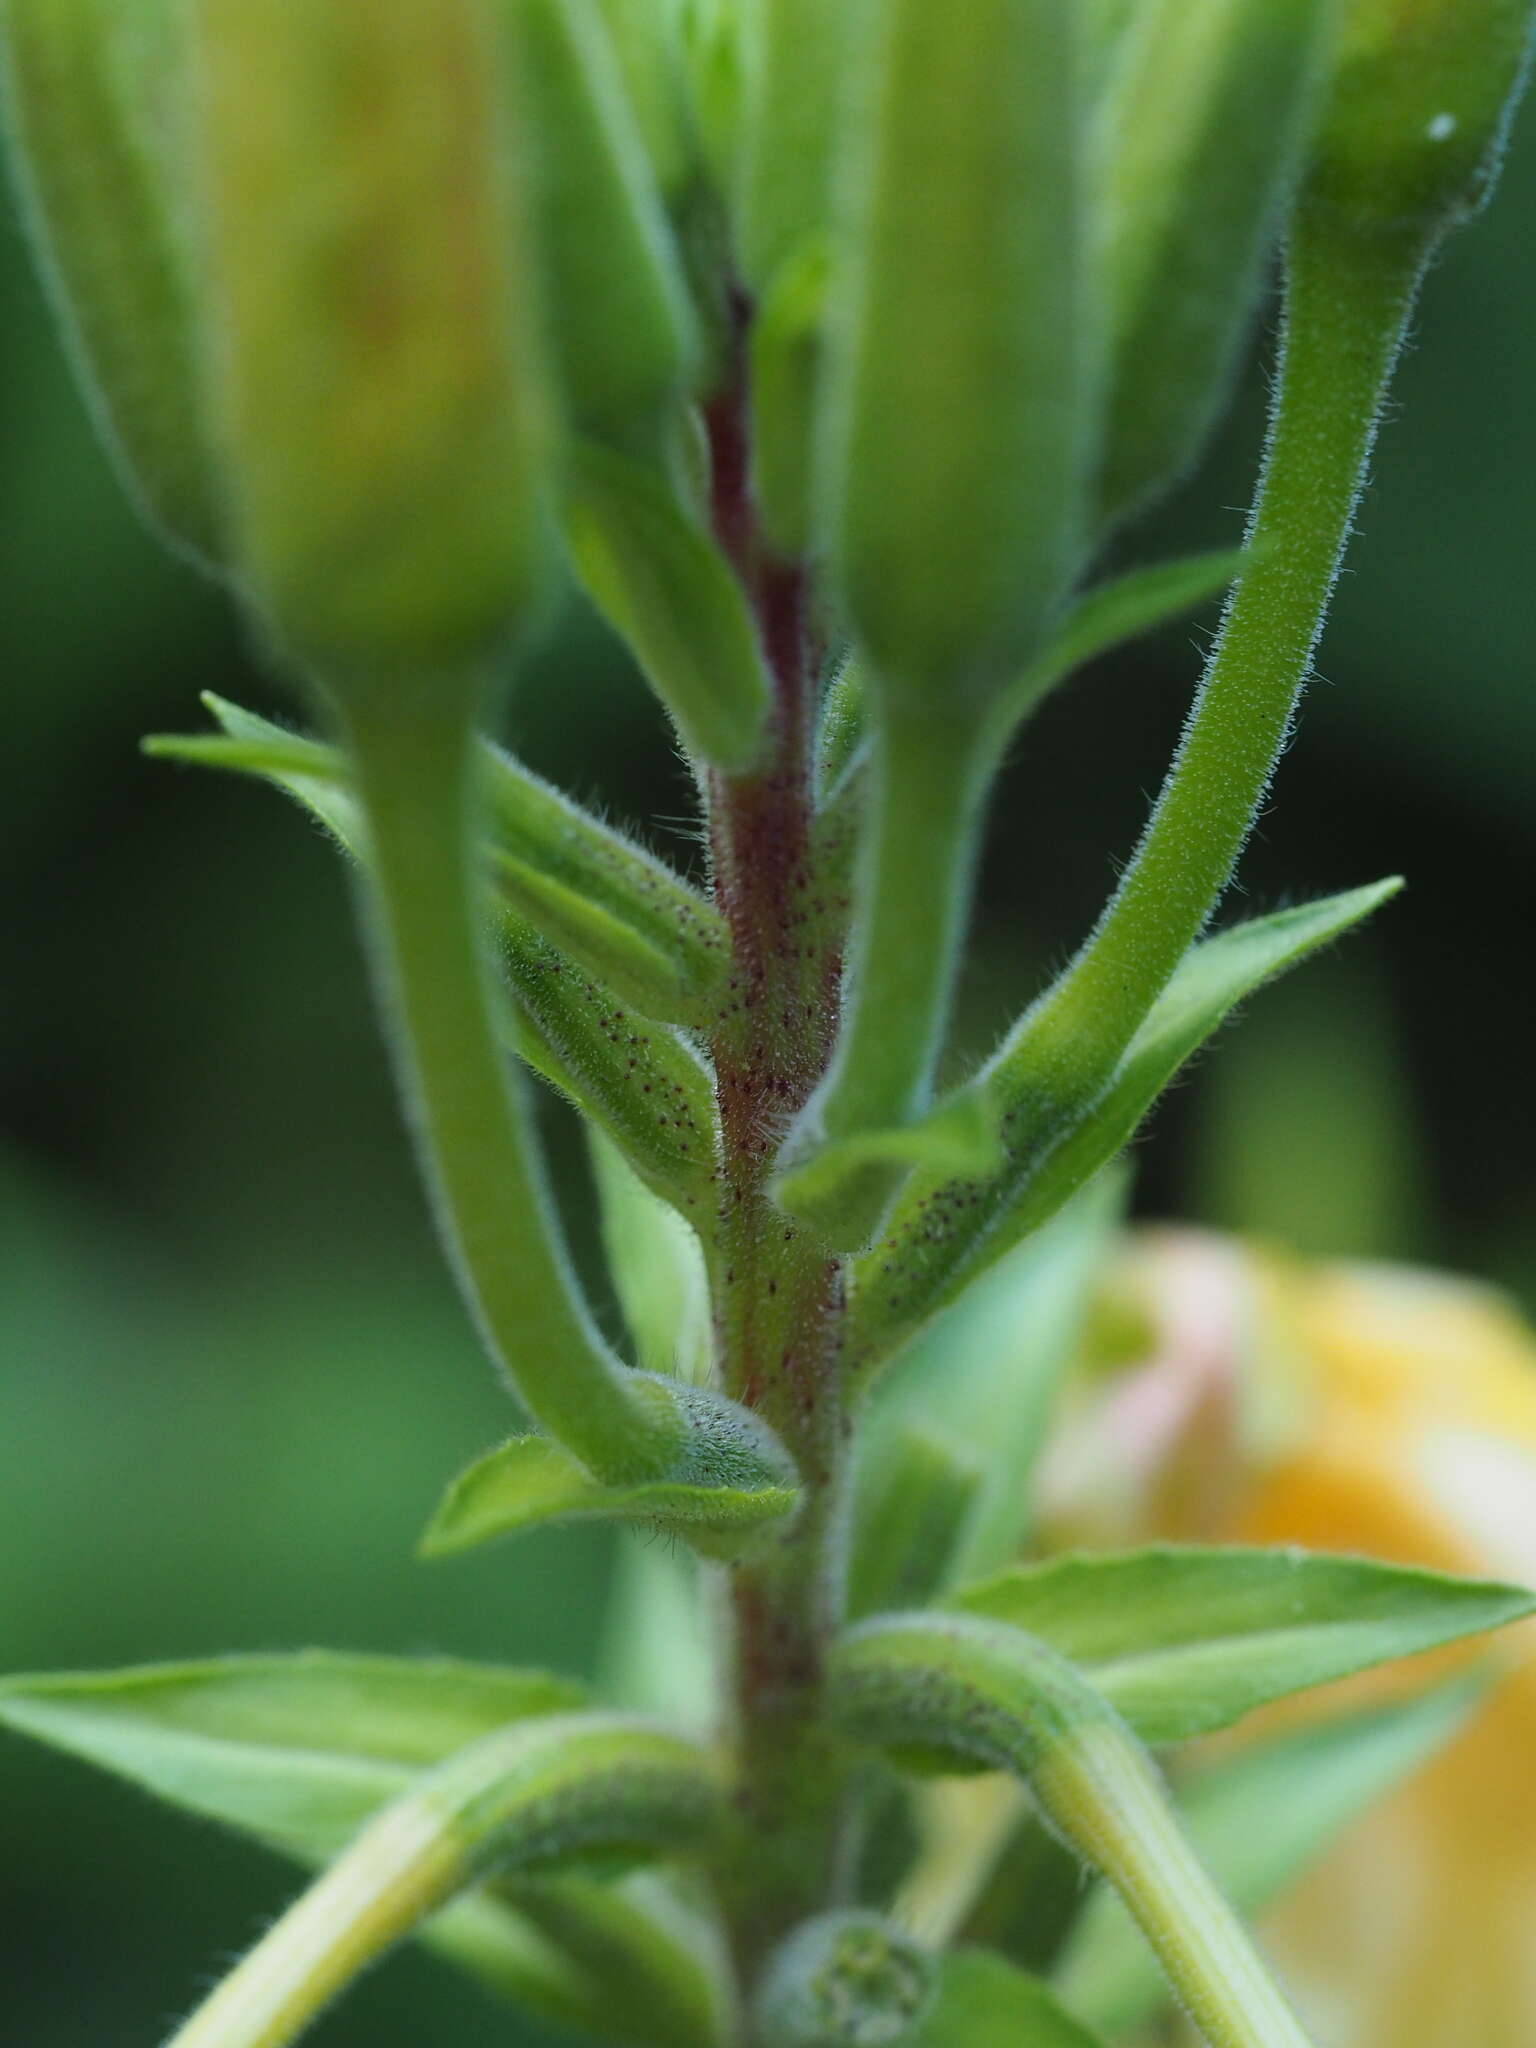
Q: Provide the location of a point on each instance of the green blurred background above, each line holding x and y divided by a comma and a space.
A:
232, 1377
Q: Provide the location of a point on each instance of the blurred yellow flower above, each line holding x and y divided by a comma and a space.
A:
1372, 1409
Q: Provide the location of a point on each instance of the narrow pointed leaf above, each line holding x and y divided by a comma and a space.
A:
1136, 603
647, 41
668, 593
842, 1189
539, 828
1258, 1821
297, 1749
1183, 1641
623, 914
981, 2000
945, 1232
987, 1372
916, 1490
300, 1750
531, 1480
639, 1081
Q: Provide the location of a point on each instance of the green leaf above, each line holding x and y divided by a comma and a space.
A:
1182, 1641
843, 1187
944, 1232
668, 592
1136, 603
1258, 1822
638, 1080
300, 1750
597, 894
296, 1749
916, 1491
659, 1653
983, 2002
629, 1961
657, 1266
532, 1480
986, 1373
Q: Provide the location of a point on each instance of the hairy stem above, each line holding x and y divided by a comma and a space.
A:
417, 777
981, 1692
778, 1297
1347, 305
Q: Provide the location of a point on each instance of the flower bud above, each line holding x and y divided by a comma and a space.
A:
846, 1980
97, 105
1197, 150
959, 387
622, 324
372, 361
1422, 95
796, 68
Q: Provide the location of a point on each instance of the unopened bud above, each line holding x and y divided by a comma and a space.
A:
846, 1980
97, 93
1422, 95
622, 324
960, 384
373, 373
1197, 151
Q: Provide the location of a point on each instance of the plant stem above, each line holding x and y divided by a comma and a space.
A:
778, 1297
532, 1790
931, 773
417, 776
990, 1694
1347, 305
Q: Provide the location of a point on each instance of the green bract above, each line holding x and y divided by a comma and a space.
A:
815, 344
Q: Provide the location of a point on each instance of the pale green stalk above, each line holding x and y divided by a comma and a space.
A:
417, 778
523, 1795
1347, 306
984, 1693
